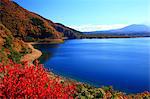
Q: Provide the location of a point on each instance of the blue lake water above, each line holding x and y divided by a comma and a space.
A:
121, 63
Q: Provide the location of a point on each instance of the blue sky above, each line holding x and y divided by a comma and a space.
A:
91, 14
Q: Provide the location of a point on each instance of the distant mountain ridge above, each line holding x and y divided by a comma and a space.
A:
133, 30
136, 28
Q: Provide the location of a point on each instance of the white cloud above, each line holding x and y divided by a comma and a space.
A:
90, 27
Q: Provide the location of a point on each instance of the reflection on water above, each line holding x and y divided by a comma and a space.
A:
45, 56
47, 51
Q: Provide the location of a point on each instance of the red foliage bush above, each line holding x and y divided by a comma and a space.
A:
24, 81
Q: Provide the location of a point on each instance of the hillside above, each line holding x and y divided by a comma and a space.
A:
64, 30
11, 47
68, 32
27, 25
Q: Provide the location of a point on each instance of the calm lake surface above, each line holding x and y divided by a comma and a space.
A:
122, 63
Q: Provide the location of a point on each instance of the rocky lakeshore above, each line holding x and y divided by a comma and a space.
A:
35, 54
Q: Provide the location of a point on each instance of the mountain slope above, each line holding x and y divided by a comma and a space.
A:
11, 47
68, 32
27, 25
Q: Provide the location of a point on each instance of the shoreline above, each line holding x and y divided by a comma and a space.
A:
112, 37
54, 41
35, 54
58, 41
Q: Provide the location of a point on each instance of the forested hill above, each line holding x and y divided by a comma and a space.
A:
29, 26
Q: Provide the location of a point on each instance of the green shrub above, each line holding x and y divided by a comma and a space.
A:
30, 39
14, 55
107, 88
37, 21
2, 55
8, 42
25, 51
85, 91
